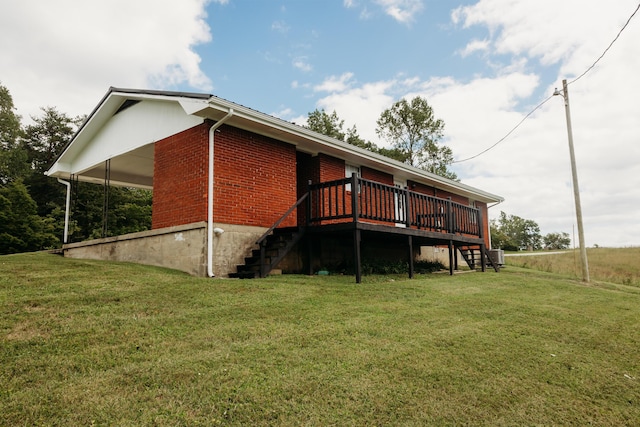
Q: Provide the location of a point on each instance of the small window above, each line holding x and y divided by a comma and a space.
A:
350, 170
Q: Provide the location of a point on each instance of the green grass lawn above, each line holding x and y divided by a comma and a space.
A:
97, 343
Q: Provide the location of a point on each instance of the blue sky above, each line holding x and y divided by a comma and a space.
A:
482, 65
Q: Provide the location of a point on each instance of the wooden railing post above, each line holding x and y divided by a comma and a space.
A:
450, 224
407, 207
354, 197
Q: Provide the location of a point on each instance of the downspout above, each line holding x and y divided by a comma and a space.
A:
66, 210
212, 131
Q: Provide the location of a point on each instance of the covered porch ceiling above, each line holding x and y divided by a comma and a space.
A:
131, 169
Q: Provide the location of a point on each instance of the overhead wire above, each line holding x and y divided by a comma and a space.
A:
551, 96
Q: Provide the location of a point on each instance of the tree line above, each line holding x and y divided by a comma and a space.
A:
32, 205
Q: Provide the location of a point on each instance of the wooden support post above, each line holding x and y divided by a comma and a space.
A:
455, 257
483, 261
411, 269
356, 255
307, 224
263, 267
451, 261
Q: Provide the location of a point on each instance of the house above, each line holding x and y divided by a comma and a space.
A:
238, 193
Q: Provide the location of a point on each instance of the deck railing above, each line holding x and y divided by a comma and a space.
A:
356, 199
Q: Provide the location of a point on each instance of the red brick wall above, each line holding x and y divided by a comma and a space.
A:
330, 168
377, 176
254, 178
180, 178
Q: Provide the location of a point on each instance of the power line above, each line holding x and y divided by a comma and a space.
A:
545, 101
608, 47
508, 133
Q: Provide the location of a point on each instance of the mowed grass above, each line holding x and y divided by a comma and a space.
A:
617, 265
97, 343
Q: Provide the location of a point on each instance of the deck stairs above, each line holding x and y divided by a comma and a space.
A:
473, 258
277, 245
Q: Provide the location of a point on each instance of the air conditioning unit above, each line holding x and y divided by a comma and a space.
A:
497, 256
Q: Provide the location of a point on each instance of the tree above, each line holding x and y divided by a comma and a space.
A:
331, 125
412, 128
47, 137
21, 229
557, 241
514, 233
326, 124
13, 159
43, 141
9, 120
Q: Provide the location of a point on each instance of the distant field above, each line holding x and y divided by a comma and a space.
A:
99, 343
616, 265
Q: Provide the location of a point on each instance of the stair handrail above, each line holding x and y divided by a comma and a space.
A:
282, 218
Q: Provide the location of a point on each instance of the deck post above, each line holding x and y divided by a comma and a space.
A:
407, 207
356, 254
450, 224
354, 198
451, 261
307, 224
411, 269
483, 260
263, 250
455, 257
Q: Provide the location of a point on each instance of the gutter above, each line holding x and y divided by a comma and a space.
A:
66, 210
212, 131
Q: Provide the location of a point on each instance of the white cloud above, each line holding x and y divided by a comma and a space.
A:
335, 83
403, 11
301, 64
69, 50
531, 168
474, 46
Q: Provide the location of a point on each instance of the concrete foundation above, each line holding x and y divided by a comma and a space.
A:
231, 247
182, 247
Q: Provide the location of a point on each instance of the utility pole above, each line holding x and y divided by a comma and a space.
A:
576, 190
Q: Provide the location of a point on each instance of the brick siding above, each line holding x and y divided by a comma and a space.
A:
254, 178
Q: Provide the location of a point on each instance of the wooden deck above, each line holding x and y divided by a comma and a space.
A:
359, 209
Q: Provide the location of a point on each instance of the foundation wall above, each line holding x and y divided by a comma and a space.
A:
182, 247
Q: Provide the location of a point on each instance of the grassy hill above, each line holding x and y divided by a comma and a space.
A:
97, 343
